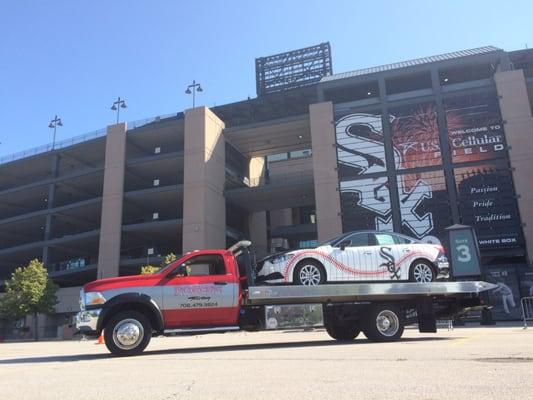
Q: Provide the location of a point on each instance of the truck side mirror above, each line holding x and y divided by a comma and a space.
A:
344, 244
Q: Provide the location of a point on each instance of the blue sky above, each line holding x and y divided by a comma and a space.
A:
74, 57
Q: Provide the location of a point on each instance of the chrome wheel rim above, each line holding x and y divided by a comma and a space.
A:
423, 273
387, 323
128, 333
310, 275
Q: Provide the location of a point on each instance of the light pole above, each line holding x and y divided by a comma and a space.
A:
195, 88
117, 105
53, 125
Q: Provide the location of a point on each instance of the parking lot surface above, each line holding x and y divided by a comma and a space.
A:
466, 363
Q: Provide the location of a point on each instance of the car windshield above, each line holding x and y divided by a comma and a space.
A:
335, 240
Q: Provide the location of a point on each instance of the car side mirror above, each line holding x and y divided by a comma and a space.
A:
344, 244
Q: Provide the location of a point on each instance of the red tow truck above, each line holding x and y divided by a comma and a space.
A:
216, 291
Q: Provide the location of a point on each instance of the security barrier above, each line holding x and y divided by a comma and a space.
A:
527, 309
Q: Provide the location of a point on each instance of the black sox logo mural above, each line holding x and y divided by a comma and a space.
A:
361, 151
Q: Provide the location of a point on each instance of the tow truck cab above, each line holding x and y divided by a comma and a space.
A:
203, 289
215, 291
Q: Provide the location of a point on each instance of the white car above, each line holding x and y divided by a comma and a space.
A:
358, 256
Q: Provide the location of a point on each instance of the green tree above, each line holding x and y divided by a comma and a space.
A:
28, 292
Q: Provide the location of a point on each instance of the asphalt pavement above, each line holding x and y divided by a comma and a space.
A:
470, 362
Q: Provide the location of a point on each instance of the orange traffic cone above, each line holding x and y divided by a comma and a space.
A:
101, 339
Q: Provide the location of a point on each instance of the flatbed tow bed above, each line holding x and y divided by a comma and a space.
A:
350, 292
129, 310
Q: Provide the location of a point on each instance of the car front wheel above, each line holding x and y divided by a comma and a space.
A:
309, 273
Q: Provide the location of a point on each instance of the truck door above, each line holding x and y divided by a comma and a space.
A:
200, 292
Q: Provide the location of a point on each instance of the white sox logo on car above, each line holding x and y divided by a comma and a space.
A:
390, 262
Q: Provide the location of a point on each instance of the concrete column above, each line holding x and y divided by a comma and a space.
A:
204, 206
257, 225
256, 171
518, 126
445, 150
257, 221
112, 200
326, 178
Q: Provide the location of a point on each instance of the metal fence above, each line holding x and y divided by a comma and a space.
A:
81, 138
141, 122
48, 147
527, 309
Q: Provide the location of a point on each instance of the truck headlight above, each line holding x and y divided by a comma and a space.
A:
94, 298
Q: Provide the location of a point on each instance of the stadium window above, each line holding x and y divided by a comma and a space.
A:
345, 94
277, 157
466, 73
300, 153
408, 83
307, 244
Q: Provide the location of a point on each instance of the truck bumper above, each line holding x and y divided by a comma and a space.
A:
87, 321
443, 268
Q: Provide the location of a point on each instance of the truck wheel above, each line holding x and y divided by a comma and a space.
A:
422, 272
127, 333
343, 332
383, 323
309, 273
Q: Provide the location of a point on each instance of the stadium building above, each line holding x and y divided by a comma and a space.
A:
412, 147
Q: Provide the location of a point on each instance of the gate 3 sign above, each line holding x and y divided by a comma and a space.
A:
464, 251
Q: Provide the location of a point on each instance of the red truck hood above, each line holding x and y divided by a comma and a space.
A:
121, 282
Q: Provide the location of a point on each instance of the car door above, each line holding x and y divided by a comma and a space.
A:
201, 292
354, 262
389, 254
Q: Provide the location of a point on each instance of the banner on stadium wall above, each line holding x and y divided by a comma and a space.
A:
415, 136
365, 201
475, 128
360, 144
487, 202
424, 205
485, 190
505, 298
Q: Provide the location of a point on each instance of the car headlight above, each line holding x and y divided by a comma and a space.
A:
281, 258
94, 298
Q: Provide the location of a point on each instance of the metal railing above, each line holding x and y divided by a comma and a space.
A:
141, 122
80, 139
279, 179
49, 147
527, 309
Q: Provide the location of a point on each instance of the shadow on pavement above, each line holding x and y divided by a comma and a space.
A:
212, 349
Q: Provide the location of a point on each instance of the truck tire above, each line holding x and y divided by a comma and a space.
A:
345, 332
127, 333
383, 323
